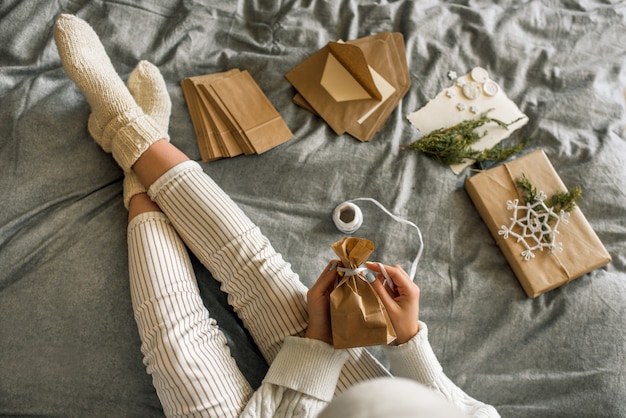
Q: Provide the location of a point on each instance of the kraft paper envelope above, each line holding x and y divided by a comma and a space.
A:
346, 74
307, 79
385, 59
396, 72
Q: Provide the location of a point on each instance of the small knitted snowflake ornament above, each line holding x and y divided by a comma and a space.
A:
535, 225
535, 222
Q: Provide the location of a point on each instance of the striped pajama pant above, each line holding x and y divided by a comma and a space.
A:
184, 351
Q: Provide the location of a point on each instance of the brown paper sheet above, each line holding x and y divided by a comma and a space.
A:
358, 317
582, 249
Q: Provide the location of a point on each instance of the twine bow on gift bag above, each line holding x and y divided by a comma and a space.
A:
358, 317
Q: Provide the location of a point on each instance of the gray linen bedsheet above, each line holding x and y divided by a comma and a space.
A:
68, 341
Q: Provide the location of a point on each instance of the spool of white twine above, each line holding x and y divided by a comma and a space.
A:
348, 218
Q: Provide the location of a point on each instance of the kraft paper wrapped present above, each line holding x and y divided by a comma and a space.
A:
358, 317
577, 250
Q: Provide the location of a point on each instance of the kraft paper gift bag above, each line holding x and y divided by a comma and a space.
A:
227, 144
494, 193
231, 115
256, 123
358, 317
214, 138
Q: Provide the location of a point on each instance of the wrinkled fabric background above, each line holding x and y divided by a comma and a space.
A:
68, 341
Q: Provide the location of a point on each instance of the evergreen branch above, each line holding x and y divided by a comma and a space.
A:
565, 201
529, 192
453, 145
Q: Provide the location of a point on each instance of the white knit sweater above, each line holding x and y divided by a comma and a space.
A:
301, 380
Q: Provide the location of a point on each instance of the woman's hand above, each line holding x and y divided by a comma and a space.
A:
318, 304
402, 303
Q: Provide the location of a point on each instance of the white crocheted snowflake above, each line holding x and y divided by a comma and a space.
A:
534, 225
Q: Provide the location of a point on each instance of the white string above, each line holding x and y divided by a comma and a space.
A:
351, 272
348, 219
388, 281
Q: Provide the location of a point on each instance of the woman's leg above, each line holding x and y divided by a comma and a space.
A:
262, 286
184, 350
266, 294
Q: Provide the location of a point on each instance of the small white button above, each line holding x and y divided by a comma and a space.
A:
491, 88
471, 90
461, 81
479, 75
452, 75
460, 106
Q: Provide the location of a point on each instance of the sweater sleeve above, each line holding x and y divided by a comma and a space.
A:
308, 366
300, 381
416, 360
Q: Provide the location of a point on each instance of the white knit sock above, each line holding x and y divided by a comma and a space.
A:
147, 86
118, 124
132, 186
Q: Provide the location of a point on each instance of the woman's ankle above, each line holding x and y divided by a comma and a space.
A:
141, 203
157, 160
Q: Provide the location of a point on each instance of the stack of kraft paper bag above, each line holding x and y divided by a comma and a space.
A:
355, 85
232, 116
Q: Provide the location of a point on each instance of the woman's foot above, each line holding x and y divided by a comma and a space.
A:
117, 123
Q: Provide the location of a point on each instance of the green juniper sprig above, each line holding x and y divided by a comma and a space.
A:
453, 145
565, 201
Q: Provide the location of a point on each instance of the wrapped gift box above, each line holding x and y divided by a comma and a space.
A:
545, 269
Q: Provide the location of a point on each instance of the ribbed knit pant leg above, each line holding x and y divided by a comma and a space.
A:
184, 351
266, 294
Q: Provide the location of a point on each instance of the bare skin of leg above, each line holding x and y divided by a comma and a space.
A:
153, 163
156, 161
141, 203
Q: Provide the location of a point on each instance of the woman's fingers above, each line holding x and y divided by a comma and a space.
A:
402, 306
327, 277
